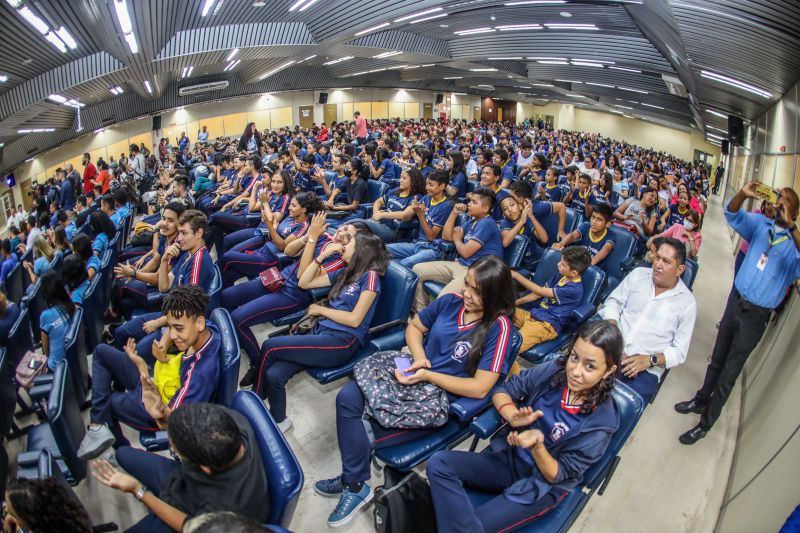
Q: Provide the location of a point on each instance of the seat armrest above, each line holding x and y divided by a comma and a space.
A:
392, 341
29, 458
626, 265
367, 209
582, 313
319, 293
465, 409
155, 298
39, 393
380, 328
44, 379
486, 424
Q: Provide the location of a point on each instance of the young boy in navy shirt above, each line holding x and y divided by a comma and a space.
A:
554, 302
475, 238
490, 178
189, 332
594, 235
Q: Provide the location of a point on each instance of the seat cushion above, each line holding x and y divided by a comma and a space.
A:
40, 437
154, 441
406, 456
433, 288
539, 353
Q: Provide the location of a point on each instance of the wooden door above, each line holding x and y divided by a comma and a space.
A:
26, 188
306, 116
499, 113
427, 111
476, 113
329, 114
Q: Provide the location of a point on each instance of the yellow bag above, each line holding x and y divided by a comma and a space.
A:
167, 376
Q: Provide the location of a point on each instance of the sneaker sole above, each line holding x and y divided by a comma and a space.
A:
94, 454
327, 494
346, 520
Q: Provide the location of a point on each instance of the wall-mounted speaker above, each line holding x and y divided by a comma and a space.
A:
439, 98
156, 122
735, 130
323, 98
725, 147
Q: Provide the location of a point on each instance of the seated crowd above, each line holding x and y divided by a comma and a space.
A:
265, 224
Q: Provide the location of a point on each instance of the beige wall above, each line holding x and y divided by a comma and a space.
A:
762, 488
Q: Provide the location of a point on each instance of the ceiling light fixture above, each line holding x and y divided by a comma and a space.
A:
541, 84
57, 98
474, 30
207, 7
623, 106
735, 83
717, 129
307, 58
276, 69
566, 14
483, 70
232, 65
148, 87
440, 15
549, 62
484, 85
716, 114
308, 4
453, 78
117, 90
518, 27
387, 54
537, 58
630, 89
714, 136
570, 81
592, 61
563, 26
124, 18
36, 130
420, 14
3, 79
186, 71
14, 3
333, 62
396, 67
33, 20
412, 67
585, 64
65, 36
503, 58
651, 105
534, 2
370, 30
232, 54
53, 39
626, 69
600, 84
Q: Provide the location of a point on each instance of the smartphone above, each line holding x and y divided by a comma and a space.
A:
402, 363
767, 193
33, 364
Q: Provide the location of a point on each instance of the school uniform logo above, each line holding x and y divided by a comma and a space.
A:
461, 350
351, 289
559, 430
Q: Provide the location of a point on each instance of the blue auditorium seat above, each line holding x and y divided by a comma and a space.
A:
391, 313
550, 224
76, 358
14, 285
690, 273
284, 475
513, 255
94, 306
630, 408
19, 338
376, 189
593, 282
155, 298
228, 377
62, 433
107, 272
406, 456
616, 264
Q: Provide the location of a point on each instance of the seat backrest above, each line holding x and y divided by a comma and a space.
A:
376, 189
94, 303
562, 180
397, 294
571, 220
559, 170
690, 273
624, 244
34, 300
229, 357
75, 350
550, 224
472, 185
284, 475
15, 289
66, 421
629, 406
547, 267
215, 290
593, 279
515, 252
19, 338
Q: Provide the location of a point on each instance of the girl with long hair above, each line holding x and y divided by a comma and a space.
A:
395, 206
54, 320
43, 505
560, 418
103, 230
457, 174
250, 141
43, 254
459, 343
381, 167
343, 322
255, 255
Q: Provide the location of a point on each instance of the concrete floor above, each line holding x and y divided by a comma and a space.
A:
660, 485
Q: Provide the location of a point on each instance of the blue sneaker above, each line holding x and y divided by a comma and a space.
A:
330, 488
348, 505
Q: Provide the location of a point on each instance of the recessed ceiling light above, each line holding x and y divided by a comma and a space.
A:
483, 70
370, 30
565, 14
625, 69
259, 4
420, 14
474, 30
423, 19
735, 83
444, 25
632, 90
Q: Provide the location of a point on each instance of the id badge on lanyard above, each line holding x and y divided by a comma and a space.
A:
762, 261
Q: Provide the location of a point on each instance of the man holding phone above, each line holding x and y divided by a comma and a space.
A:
771, 265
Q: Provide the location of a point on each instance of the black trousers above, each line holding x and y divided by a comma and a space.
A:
740, 330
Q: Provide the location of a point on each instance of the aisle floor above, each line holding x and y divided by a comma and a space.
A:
660, 485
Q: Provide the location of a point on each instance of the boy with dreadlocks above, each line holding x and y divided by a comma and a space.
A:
141, 405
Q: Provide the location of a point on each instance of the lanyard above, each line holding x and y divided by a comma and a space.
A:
773, 241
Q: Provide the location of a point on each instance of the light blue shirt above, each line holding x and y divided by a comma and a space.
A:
764, 287
55, 323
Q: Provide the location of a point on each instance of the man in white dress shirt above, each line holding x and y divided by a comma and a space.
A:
655, 312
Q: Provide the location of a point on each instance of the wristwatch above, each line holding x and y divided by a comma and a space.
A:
140, 492
653, 360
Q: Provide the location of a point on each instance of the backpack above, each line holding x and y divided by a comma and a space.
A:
403, 503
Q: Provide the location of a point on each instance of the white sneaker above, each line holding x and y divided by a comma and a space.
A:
285, 425
97, 440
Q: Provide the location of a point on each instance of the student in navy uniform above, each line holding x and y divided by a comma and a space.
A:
555, 192
103, 230
561, 418
9, 313
252, 257
342, 326
357, 192
594, 235
303, 182
519, 219
432, 212
579, 198
189, 332
54, 321
477, 237
395, 206
675, 213
771, 266
500, 159
490, 178
381, 167
187, 262
460, 343
523, 191
333, 182
10, 260
458, 179
553, 302
423, 158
